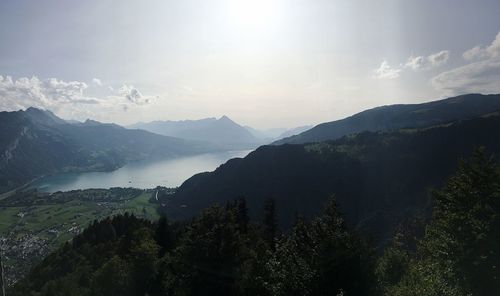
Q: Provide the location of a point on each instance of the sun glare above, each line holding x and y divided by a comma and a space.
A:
254, 15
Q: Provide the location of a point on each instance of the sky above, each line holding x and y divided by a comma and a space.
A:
263, 63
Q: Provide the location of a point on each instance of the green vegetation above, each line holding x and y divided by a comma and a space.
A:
219, 252
459, 253
8, 217
33, 224
378, 178
395, 237
34, 143
141, 206
386, 118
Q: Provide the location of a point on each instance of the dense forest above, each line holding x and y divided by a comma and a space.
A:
220, 252
379, 178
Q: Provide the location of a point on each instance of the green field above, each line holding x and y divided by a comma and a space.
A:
39, 218
8, 218
32, 230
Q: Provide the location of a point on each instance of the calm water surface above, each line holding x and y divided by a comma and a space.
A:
143, 174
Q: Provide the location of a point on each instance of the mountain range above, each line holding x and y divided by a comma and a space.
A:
222, 132
378, 177
399, 116
36, 142
397, 152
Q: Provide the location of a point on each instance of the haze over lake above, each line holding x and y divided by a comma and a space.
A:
142, 174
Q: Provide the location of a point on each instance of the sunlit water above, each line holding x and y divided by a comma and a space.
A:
143, 174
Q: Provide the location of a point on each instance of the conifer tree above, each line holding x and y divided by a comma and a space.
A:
270, 224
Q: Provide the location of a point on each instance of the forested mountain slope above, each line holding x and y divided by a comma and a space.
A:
219, 252
36, 142
378, 177
400, 116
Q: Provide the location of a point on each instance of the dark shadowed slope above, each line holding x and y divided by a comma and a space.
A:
377, 177
36, 142
400, 116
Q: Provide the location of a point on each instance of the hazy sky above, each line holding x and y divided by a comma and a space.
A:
265, 63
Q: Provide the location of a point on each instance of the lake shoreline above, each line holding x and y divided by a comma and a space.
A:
142, 174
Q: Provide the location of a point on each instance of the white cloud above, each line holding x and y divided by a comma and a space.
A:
439, 58
26, 92
133, 95
65, 98
433, 60
477, 77
479, 52
97, 81
482, 75
475, 53
385, 71
415, 63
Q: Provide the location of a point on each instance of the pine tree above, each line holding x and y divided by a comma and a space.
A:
464, 234
163, 235
242, 215
269, 223
460, 252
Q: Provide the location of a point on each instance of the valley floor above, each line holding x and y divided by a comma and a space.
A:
35, 224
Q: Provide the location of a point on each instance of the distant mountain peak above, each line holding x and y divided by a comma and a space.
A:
43, 116
225, 118
35, 110
221, 131
36, 143
89, 121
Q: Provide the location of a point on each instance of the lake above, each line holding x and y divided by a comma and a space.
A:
141, 174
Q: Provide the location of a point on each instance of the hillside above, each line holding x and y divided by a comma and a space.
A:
217, 253
36, 142
220, 252
400, 116
223, 132
378, 178
33, 224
